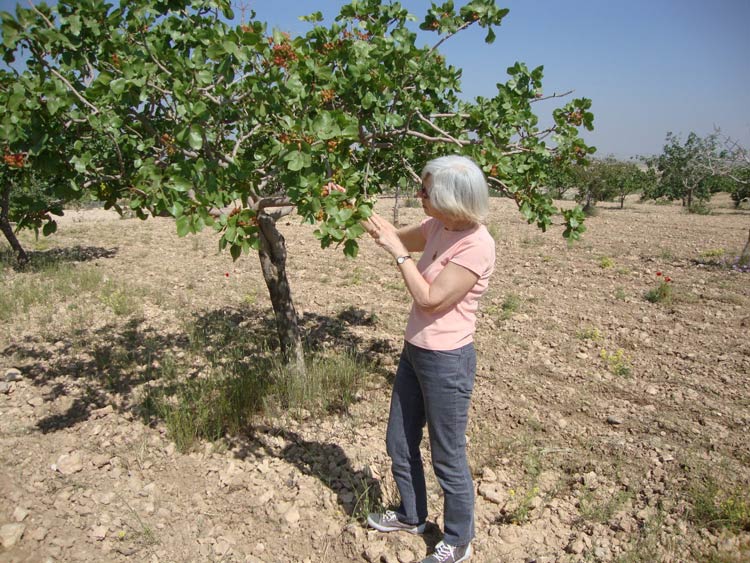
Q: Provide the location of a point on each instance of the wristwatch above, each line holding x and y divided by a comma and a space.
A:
401, 259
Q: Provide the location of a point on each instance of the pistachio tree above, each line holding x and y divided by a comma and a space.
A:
170, 108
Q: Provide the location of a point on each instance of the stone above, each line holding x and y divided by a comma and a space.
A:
67, 464
405, 556
491, 492
13, 374
11, 534
591, 480
292, 516
576, 546
35, 401
488, 476
5, 388
99, 532
38, 534
20, 514
615, 420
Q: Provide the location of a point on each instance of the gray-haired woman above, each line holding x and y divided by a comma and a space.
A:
435, 375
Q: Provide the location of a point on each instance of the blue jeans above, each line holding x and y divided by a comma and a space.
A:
433, 387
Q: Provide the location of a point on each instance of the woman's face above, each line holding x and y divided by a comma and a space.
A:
424, 194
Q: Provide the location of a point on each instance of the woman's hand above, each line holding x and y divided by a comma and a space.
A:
385, 235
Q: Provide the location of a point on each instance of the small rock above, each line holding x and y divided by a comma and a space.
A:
39, 534
488, 476
591, 480
373, 553
4, 388
562, 423
13, 374
576, 546
35, 401
99, 532
20, 514
405, 556
491, 493
292, 515
651, 390
10, 534
67, 464
615, 420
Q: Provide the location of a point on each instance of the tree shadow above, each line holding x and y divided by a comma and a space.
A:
106, 365
42, 259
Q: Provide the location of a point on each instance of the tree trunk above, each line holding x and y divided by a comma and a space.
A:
395, 205
273, 264
745, 254
5, 226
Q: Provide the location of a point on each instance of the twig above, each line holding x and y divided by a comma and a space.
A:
438, 129
554, 95
451, 34
40, 14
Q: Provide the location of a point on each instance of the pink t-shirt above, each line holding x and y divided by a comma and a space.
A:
473, 249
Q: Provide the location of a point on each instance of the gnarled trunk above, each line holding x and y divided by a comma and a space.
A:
7, 229
273, 264
745, 254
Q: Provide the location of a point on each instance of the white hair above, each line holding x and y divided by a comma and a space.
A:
459, 188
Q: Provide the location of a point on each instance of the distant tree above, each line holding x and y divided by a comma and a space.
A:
562, 176
628, 179
740, 190
607, 179
684, 171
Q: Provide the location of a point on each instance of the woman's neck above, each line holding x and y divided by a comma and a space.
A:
457, 224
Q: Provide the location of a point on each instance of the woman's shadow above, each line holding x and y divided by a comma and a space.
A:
357, 491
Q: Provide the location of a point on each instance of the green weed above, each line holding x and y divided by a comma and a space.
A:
617, 362
662, 293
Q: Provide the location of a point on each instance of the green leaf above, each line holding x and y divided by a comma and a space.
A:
195, 138
296, 161
49, 228
235, 251
205, 77
351, 248
118, 86
490, 36
183, 225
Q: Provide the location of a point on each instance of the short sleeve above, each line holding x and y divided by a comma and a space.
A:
476, 254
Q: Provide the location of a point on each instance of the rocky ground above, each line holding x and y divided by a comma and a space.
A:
604, 427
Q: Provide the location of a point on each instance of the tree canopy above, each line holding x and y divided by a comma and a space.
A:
170, 108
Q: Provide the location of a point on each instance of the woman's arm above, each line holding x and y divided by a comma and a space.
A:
448, 288
412, 238
451, 284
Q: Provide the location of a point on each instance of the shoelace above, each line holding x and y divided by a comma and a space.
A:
443, 551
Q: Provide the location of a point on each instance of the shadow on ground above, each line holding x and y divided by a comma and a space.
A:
92, 368
43, 259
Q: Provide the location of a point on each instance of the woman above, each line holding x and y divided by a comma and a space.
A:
435, 375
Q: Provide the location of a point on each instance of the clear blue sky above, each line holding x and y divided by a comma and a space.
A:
650, 66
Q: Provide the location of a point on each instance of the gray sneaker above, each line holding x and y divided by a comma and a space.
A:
445, 553
388, 522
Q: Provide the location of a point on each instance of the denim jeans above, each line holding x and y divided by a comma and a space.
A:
433, 387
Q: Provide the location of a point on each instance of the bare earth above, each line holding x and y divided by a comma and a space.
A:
577, 457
